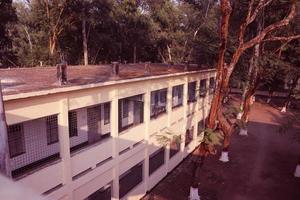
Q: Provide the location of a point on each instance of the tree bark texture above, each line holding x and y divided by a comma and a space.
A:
84, 41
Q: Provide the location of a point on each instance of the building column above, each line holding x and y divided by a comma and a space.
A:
185, 111
147, 112
114, 121
4, 150
64, 144
169, 113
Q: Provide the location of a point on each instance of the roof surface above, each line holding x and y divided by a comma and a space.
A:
23, 80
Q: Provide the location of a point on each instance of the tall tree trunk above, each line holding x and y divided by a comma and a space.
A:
84, 41
169, 53
4, 156
221, 66
134, 53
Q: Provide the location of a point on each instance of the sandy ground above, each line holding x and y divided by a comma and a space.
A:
261, 166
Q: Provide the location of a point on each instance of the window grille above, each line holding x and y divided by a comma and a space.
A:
158, 102
156, 160
203, 89
189, 136
200, 127
52, 129
130, 179
16, 140
125, 110
174, 147
73, 131
94, 123
106, 113
192, 91
177, 92
212, 85
103, 193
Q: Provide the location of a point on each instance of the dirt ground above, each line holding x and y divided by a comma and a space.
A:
261, 166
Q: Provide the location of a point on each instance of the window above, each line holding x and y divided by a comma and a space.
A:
16, 141
131, 111
125, 108
103, 193
158, 102
72, 115
106, 113
177, 96
212, 85
94, 124
130, 179
174, 147
200, 127
189, 136
52, 129
192, 91
202, 89
156, 160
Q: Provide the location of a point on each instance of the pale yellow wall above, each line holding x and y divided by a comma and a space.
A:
30, 108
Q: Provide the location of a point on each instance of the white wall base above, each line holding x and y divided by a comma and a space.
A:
224, 156
239, 115
194, 195
283, 109
243, 132
297, 171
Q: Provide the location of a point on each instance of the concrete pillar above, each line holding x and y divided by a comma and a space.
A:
147, 101
115, 136
169, 113
185, 112
64, 144
4, 150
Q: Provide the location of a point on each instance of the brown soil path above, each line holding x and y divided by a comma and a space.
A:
261, 166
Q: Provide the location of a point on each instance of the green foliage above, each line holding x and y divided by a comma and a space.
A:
7, 18
167, 137
212, 137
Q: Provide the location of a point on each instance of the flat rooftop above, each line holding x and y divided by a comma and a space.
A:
24, 80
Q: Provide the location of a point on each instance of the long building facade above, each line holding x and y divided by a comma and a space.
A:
100, 140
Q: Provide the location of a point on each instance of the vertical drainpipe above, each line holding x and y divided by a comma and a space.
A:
4, 154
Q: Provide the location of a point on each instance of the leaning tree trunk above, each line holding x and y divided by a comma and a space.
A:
226, 12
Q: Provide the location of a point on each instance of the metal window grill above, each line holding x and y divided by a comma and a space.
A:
73, 130
94, 120
16, 141
106, 113
202, 89
192, 91
52, 129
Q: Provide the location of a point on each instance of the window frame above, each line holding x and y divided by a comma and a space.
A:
192, 84
106, 113
73, 129
21, 136
177, 91
52, 137
159, 97
201, 95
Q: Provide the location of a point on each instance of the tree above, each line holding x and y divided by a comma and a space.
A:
7, 18
225, 66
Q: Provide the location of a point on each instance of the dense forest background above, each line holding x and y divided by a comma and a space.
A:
35, 32
41, 32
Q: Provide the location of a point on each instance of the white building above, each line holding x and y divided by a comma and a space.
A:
96, 137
